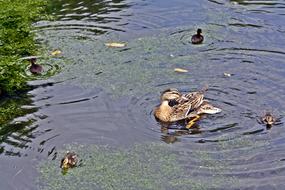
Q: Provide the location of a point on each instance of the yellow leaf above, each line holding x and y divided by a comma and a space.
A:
179, 70
55, 52
115, 44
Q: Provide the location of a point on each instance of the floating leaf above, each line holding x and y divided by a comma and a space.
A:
227, 74
115, 44
56, 52
179, 70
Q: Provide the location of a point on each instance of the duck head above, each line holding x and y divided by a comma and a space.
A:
170, 94
199, 31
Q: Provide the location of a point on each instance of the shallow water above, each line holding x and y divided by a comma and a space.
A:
106, 95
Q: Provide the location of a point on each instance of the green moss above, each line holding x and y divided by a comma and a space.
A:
142, 67
147, 166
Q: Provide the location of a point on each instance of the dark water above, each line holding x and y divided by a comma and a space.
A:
106, 96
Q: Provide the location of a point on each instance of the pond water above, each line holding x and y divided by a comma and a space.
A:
104, 95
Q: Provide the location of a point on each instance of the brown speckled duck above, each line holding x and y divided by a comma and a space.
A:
176, 106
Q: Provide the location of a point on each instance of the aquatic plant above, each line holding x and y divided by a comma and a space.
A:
17, 40
146, 166
9, 112
143, 166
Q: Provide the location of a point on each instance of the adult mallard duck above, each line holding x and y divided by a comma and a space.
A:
176, 106
69, 160
197, 38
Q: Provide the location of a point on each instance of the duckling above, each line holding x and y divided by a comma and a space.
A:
268, 119
176, 106
70, 160
197, 38
35, 68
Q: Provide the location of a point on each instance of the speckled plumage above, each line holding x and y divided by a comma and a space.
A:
176, 106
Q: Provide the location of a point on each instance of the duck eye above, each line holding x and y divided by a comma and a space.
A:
172, 103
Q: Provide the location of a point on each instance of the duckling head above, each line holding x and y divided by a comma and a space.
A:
199, 31
33, 60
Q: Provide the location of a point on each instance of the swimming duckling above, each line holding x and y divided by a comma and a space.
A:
70, 160
35, 68
268, 119
197, 38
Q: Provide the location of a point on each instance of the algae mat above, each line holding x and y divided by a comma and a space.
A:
144, 166
146, 64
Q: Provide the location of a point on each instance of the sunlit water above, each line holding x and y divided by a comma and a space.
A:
106, 95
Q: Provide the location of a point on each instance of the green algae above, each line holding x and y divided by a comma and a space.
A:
143, 166
148, 166
145, 65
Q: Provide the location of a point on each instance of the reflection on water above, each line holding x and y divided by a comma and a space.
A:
18, 134
106, 95
82, 19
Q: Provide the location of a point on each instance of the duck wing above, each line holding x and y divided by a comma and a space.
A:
180, 111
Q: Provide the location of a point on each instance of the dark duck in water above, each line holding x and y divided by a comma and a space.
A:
197, 38
35, 68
